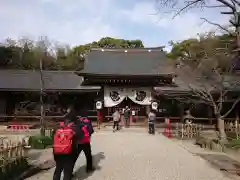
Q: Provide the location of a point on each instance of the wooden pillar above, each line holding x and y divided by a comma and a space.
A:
148, 109
99, 118
181, 112
10, 105
3, 104
237, 123
209, 114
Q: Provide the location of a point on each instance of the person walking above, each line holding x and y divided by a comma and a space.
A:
151, 120
84, 144
65, 146
116, 119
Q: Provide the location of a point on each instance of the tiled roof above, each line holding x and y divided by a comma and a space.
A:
127, 62
30, 80
232, 82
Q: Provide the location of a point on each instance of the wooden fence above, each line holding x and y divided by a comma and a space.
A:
11, 151
184, 130
191, 130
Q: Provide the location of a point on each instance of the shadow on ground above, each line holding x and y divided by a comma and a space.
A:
37, 163
81, 174
223, 163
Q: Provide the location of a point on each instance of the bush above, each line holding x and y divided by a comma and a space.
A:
40, 142
13, 169
234, 143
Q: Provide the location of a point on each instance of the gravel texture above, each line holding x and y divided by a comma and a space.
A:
139, 156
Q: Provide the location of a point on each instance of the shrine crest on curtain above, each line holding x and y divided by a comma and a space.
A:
115, 95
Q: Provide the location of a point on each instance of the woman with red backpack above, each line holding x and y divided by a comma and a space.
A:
65, 146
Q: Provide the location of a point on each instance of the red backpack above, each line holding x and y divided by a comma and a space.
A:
63, 139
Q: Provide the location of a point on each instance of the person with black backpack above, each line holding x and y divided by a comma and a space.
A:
84, 144
65, 145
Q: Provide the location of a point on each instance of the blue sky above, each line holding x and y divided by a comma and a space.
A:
81, 21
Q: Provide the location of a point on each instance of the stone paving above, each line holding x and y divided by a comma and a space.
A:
139, 156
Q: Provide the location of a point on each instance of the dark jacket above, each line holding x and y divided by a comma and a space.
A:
88, 123
76, 128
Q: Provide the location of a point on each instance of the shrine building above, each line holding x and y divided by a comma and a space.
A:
111, 79
127, 77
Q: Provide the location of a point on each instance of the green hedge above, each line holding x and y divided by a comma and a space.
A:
40, 142
234, 143
14, 169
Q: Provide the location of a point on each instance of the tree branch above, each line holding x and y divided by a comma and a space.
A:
233, 106
218, 25
189, 4
216, 6
227, 4
237, 2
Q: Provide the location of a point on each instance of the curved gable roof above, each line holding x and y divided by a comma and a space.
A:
28, 80
143, 61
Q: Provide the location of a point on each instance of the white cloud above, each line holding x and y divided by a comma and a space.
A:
83, 21
142, 13
181, 27
70, 21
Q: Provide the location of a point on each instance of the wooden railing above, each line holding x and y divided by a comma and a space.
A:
191, 130
188, 130
11, 151
59, 117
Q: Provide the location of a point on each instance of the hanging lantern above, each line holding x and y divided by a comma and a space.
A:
98, 105
154, 105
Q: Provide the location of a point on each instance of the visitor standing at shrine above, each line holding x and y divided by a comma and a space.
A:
127, 114
151, 120
116, 119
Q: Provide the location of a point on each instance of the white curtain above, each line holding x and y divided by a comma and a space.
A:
115, 95
140, 95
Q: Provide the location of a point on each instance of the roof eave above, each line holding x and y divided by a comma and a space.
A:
123, 75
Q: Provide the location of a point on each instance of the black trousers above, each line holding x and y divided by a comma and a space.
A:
151, 128
65, 164
86, 148
116, 125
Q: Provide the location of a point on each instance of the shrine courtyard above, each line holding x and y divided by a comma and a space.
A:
139, 156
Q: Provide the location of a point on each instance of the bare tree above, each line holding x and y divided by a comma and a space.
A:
44, 47
209, 82
226, 7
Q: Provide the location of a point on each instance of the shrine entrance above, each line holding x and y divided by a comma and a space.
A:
138, 112
136, 98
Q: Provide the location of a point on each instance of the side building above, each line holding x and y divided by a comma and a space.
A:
20, 93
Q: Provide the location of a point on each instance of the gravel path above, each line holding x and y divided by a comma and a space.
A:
139, 156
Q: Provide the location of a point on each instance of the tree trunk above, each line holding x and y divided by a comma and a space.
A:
237, 125
221, 128
238, 38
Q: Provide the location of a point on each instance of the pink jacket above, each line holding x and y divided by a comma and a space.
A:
86, 138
